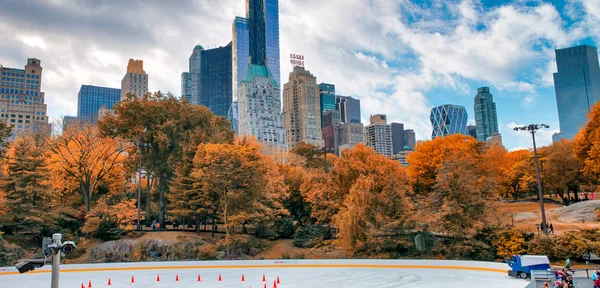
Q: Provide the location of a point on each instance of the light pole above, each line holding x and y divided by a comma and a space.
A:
51, 248
140, 145
325, 150
532, 128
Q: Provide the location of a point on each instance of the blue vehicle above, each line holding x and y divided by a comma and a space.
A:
522, 265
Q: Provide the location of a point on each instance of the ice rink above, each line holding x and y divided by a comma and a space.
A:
292, 274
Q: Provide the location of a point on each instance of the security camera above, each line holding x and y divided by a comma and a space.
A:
68, 247
46, 249
26, 265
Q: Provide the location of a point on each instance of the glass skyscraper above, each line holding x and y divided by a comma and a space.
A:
215, 75
272, 37
92, 98
448, 119
190, 81
577, 86
349, 109
326, 98
486, 119
240, 49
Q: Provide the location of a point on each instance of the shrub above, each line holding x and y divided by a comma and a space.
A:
9, 253
208, 252
311, 236
109, 230
284, 228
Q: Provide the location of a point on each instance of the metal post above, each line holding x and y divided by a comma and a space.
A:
139, 200
56, 240
539, 184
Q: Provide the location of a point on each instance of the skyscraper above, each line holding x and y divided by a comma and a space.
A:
301, 109
472, 130
191, 80
378, 135
326, 98
272, 37
135, 80
349, 109
92, 98
255, 12
240, 50
448, 119
339, 136
486, 119
577, 86
410, 139
215, 77
259, 107
21, 100
397, 137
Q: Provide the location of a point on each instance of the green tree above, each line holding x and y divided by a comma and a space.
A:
166, 125
27, 188
5, 133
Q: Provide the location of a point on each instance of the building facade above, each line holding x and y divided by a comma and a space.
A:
191, 80
577, 87
259, 107
350, 134
240, 50
215, 77
22, 102
349, 109
472, 130
301, 109
340, 136
326, 98
135, 80
397, 137
378, 135
92, 98
410, 139
486, 119
448, 119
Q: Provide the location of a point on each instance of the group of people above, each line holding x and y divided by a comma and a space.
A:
585, 196
155, 225
564, 278
541, 226
596, 278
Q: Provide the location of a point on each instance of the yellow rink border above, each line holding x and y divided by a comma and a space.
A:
258, 266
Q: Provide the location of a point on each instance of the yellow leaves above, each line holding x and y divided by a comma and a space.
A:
509, 243
587, 142
122, 211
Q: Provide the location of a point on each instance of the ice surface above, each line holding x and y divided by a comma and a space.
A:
292, 273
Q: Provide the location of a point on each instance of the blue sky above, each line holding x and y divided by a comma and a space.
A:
399, 57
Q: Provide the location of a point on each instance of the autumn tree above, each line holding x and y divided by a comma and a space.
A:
5, 133
510, 242
245, 183
295, 203
587, 143
562, 171
166, 125
26, 184
82, 158
430, 155
515, 180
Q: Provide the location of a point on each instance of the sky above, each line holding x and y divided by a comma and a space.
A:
399, 57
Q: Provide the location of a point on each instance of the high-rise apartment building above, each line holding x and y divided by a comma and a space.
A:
233, 116
22, 100
92, 98
340, 136
448, 119
486, 119
191, 80
301, 109
135, 80
215, 77
259, 107
378, 135
349, 109
240, 50
577, 87
410, 139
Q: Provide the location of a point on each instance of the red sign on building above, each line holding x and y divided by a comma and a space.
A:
297, 59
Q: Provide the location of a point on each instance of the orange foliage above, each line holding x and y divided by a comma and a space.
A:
587, 143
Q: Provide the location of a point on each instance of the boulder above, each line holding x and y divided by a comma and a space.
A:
578, 212
115, 251
523, 216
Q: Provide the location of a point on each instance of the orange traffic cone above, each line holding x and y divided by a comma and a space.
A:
278, 280
274, 283
109, 282
90, 284
157, 278
82, 285
264, 279
176, 277
132, 279
220, 278
199, 278
243, 278
265, 285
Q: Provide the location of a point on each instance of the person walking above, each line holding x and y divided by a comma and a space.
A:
153, 225
551, 228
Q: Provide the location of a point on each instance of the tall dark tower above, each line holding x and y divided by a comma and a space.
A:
255, 11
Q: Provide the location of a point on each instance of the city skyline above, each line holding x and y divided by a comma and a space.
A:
403, 82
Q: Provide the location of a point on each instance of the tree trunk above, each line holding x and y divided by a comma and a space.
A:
213, 226
85, 192
162, 187
197, 224
148, 199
